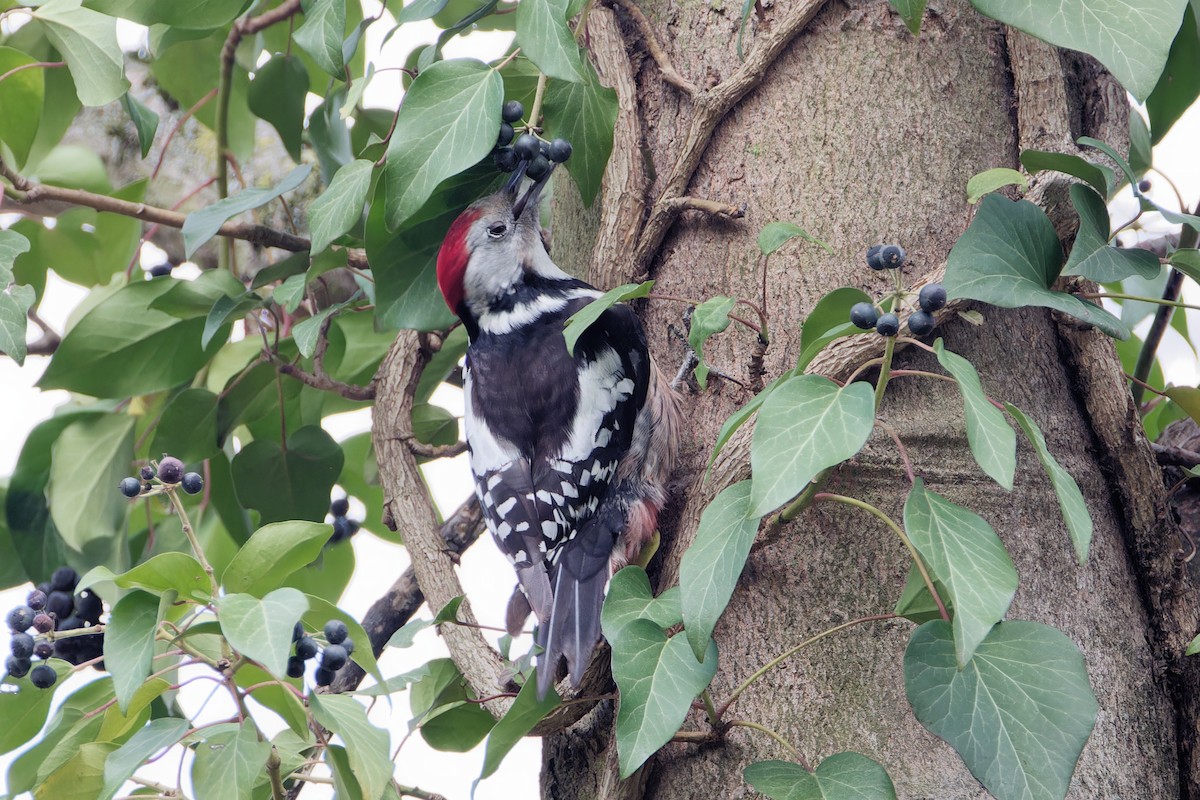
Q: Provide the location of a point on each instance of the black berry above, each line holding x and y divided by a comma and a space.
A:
340, 507
36, 600
324, 677
348, 645
506, 134
160, 270
295, 667
64, 579
21, 645
43, 649
43, 623
873, 260
334, 657
864, 315
297, 631
560, 151
1143, 185
544, 148
538, 168
892, 256
170, 470
43, 676
193, 483
147, 473
888, 325
17, 667
341, 529
932, 297
921, 323
336, 631
505, 159
88, 606
60, 605
20, 619
512, 111
130, 487
526, 147
306, 648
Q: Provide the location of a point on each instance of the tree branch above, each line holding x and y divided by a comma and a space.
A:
669, 73
319, 378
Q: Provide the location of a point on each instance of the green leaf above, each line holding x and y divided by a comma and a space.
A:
1179, 85
20, 92
202, 225
1009, 257
828, 320
629, 598
916, 603
277, 96
25, 710
145, 121
1193, 647
993, 442
187, 428
89, 459
261, 629
81, 776
526, 711
277, 696
125, 760
15, 302
992, 179
1141, 156
416, 10
969, 560
1070, 499
911, 11
1097, 176
543, 35
709, 318
340, 206
844, 776
129, 643
658, 679
228, 764
1132, 41
273, 553
775, 235
292, 483
1187, 261
1019, 714
321, 34
198, 15
366, 745
585, 114
124, 347
1173, 217
582, 319
306, 332
806, 425
446, 123
739, 418
88, 43
165, 572
712, 564
1092, 256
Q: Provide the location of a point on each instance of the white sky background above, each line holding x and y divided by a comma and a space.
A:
485, 574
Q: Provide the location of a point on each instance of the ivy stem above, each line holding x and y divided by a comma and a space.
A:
765, 668
1146, 386
1158, 301
192, 540
885, 370
709, 708
890, 431
32, 65
745, 723
539, 95
273, 762
891, 523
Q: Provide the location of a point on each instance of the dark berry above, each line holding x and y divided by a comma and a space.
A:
36, 600
544, 147
873, 260
506, 134
538, 168
43, 623
324, 677
21, 645
892, 256
160, 270
88, 606
43, 649
20, 618
1143, 185
921, 323
130, 487
864, 315
334, 657
336, 631
306, 648
64, 579
932, 297
170, 470
17, 667
560, 151
527, 147
43, 676
341, 529
512, 111
297, 631
44, 587
60, 605
193, 483
505, 159
340, 507
888, 325
295, 667
348, 646
147, 473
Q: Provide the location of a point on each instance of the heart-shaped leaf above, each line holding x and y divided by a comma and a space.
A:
993, 442
844, 776
273, 553
629, 598
992, 179
543, 35
88, 42
277, 96
828, 320
322, 33
1092, 256
261, 629
585, 114
292, 483
340, 206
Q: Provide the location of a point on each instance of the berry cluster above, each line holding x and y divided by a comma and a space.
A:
53, 607
931, 298
338, 647
168, 474
537, 153
343, 526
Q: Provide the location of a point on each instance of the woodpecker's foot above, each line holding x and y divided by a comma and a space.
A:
689, 363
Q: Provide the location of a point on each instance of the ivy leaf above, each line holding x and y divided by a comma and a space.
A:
916, 603
1187, 261
340, 206
1019, 714
543, 35
145, 121
582, 319
202, 225
585, 114
261, 629
292, 483
993, 442
158, 575
187, 428
228, 763
1070, 499
712, 564
992, 179
88, 42
969, 560
19, 93
1131, 41
709, 318
828, 320
89, 459
1098, 176
658, 679
1009, 256
806, 425
15, 301
126, 759
306, 332
24, 711
526, 711
843, 776
446, 123
629, 598
1179, 85
273, 553
129, 643
911, 11
194, 16
321, 34
277, 95
366, 745
416, 10
1092, 256
739, 418
775, 235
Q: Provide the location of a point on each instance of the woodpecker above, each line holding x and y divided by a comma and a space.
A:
570, 453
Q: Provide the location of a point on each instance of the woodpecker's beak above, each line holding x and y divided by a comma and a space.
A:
514, 181
531, 197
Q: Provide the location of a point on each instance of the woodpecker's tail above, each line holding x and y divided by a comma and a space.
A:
577, 581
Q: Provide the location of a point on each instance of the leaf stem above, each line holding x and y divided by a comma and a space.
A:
709, 708
745, 723
885, 370
539, 95
43, 64
1159, 301
190, 533
273, 762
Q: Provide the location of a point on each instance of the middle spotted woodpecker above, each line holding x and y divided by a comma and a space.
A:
570, 453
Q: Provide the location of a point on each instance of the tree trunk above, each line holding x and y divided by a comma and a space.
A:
862, 133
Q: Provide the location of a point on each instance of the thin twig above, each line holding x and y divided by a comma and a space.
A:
650, 39
44, 64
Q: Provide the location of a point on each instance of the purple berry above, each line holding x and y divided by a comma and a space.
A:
170, 470
43, 676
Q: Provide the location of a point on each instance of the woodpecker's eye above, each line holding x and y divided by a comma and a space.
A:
496, 230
